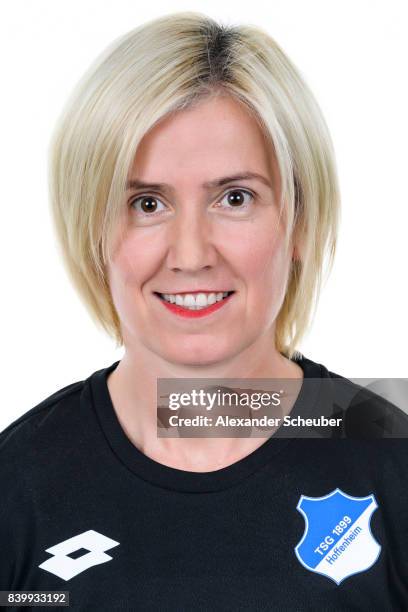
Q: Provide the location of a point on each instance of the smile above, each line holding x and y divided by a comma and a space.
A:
194, 305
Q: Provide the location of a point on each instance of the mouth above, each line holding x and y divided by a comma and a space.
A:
194, 304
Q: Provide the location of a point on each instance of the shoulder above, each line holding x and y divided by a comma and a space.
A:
35, 447
370, 408
23, 440
61, 426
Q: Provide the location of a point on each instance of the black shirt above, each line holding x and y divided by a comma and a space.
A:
298, 524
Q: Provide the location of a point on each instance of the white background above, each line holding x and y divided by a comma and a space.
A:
353, 55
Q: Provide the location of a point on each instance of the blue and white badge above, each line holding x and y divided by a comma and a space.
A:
337, 541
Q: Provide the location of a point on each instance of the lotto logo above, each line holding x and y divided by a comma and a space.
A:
66, 567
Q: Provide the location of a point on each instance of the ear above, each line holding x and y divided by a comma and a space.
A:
297, 246
296, 252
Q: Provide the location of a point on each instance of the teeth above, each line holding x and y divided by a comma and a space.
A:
196, 301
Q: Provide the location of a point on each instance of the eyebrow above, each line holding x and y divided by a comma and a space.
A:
219, 182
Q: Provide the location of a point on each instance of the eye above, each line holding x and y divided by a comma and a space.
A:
148, 205
237, 198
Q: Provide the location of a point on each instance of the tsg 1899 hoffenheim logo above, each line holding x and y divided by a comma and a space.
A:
337, 541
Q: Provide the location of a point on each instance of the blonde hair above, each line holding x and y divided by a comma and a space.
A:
166, 65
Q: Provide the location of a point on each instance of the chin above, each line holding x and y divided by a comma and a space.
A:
199, 356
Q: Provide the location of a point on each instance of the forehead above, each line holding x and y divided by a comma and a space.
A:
218, 135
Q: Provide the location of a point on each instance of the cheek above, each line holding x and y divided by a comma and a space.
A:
133, 263
253, 251
259, 257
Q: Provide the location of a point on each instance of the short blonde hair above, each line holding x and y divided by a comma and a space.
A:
163, 66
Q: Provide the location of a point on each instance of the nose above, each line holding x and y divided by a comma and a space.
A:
191, 245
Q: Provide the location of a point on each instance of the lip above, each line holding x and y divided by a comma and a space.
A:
194, 291
194, 314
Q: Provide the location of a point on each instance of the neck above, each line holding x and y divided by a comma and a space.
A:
133, 386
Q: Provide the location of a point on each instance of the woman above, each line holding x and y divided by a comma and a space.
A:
195, 196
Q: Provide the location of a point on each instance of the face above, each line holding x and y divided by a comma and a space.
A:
201, 216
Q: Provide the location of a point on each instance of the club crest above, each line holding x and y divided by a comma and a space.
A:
337, 541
